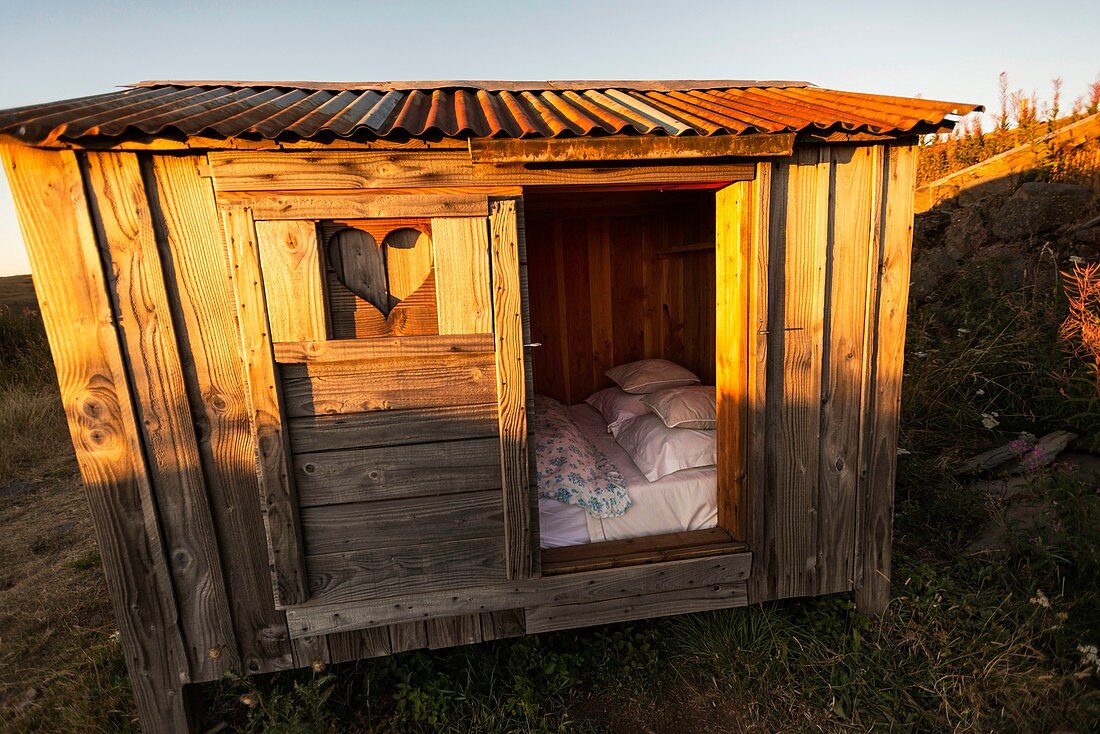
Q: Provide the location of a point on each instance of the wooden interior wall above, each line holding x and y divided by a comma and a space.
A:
606, 287
825, 236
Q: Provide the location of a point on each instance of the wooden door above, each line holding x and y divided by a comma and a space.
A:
396, 455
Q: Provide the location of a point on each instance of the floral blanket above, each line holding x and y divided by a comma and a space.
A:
569, 468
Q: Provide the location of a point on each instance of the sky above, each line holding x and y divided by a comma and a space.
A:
57, 49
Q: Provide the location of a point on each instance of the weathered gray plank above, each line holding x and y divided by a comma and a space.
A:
453, 631
759, 328
463, 298
354, 204
386, 384
278, 499
502, 624
406, 569
575, 588
547, 618
850, 245
290, 256
799, 236
881, 461
213, 356
409, 636
360, 644
326, 170
53, 216
393, 472
392, 427
342, 528
149, 340
511, 386
400, 347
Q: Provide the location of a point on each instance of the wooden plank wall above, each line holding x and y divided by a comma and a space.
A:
605, 291
820, 367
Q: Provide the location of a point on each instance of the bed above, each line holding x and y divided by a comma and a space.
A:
685, 500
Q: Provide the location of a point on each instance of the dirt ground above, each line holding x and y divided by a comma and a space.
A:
57, 630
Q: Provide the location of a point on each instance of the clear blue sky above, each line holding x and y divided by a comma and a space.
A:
52, 50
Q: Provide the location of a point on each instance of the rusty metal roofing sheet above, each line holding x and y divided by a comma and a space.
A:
462, 109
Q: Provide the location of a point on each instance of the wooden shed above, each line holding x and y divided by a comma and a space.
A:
299, 329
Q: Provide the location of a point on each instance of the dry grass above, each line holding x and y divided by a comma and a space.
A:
60, 667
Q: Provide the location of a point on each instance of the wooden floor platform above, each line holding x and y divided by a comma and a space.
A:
639, 551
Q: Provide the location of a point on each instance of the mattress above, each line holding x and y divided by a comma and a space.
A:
684, 500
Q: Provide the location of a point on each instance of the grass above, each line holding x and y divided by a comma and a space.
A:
970, 642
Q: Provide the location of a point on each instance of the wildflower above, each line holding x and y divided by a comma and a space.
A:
318, 666
989, 420
1020, 446
115, 636
1090, 656
1041, 599
251, 700
1035, 459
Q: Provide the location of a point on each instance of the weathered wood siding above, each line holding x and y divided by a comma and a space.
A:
247, 491
607, 286
814, 260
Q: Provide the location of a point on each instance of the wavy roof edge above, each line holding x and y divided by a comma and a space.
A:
323, 111
492, 85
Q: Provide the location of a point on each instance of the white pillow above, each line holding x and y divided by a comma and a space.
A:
685, 407
658, 450
651, 375
617, 407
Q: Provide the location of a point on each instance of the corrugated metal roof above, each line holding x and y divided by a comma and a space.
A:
467, 109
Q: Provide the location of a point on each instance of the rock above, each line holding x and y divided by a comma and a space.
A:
1023, 519
928, 228
929, 270
1038, 207
967, 232
1090, 236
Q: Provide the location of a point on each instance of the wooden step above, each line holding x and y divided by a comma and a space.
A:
638, 551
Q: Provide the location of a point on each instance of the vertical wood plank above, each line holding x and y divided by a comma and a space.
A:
149, 344
53, 216
290, 257
528, 387
599, 300
503, 624
734, 217
408, 636
850, 247
576, 305
269, 441
753, 506
463, 303
799, 236
312, 652
889, 356
464, 629
360, 644
211, 338
511, 388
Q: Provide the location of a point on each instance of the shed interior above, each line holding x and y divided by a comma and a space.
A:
618, 275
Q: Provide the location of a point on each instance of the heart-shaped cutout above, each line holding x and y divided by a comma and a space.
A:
382, 275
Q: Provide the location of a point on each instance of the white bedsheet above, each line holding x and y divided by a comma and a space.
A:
685, 500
